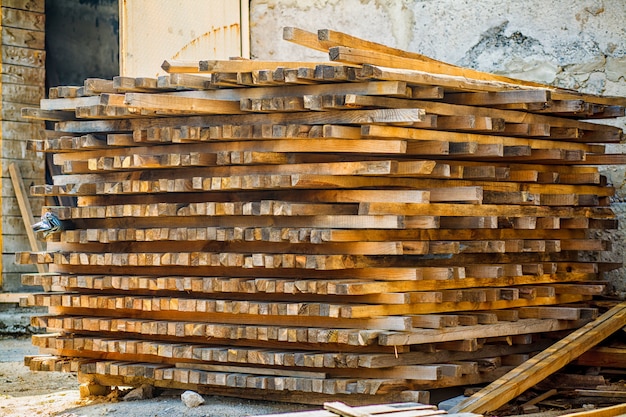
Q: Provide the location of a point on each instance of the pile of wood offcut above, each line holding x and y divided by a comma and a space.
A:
366, 229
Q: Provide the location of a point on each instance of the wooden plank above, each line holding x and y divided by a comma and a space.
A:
25, 210
500, 97
173, 66
339, 408
183, 81
68, 103
20, 37
251, 65
163, 103
472, 331
52, 115
315, 118
12, 297
306, 38
23, 18
397, 89
36, 6
545, 363
94, 86
15, 55
617, 395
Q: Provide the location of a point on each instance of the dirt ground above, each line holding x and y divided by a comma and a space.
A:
44, 394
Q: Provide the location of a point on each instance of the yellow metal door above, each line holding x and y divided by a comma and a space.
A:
152, 31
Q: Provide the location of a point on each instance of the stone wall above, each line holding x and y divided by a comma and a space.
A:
579, 44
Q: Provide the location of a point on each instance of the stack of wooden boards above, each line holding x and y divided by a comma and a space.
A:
366, 229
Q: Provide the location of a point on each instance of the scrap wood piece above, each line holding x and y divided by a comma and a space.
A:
544, 364
335, 408
616, 395
341, 409
614, 410
540, 398
331, 409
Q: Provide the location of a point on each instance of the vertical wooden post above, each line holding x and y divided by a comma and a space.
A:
25, 209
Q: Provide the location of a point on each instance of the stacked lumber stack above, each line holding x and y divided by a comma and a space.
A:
22, 62
315, 231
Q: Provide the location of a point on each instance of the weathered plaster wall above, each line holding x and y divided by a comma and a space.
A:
578, 44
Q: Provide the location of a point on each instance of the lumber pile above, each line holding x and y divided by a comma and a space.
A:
365, 229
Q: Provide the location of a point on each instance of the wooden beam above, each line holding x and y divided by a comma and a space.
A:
208, 66
306, 39
25, 210
180, 66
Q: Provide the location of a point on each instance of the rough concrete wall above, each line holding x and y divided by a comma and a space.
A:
578, 44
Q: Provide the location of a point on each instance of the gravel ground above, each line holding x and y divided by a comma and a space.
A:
46, 394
